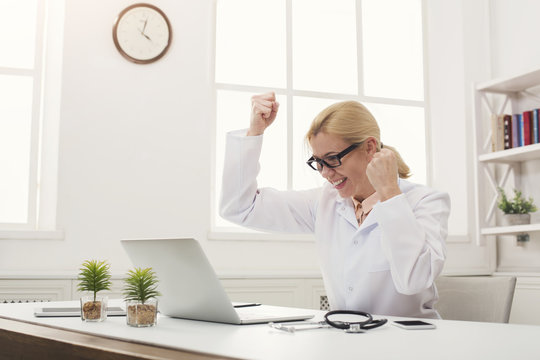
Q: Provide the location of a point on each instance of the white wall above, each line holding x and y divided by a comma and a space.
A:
470, 42
456, 38
136, 145
514, 35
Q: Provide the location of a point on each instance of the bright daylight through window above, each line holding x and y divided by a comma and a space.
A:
20, 78
313, 53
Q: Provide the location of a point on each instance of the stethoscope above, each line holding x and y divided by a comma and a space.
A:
354, 327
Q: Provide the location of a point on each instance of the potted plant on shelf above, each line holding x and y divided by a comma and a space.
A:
516, 210
94, 276
140, 293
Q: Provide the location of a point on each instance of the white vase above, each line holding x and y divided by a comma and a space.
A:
516, 219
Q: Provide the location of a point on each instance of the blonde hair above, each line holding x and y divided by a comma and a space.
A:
352, 122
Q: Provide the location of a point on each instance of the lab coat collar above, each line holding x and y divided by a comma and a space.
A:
345, 208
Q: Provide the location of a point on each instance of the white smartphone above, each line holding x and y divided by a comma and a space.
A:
414, 324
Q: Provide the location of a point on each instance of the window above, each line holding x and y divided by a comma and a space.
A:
23, 35
312, 53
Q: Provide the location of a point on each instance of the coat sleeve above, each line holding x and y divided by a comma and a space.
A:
413, 234
243, 203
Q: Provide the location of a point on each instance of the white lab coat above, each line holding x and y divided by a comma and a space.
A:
385, 266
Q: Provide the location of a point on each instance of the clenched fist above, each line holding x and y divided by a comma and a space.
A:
264, 109
382, 172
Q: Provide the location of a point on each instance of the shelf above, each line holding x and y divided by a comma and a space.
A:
520, 91
510, 230
522, 153
512, 84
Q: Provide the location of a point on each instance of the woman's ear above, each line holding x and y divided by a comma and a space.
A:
371, 145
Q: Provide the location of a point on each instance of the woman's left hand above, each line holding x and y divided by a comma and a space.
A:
382, 172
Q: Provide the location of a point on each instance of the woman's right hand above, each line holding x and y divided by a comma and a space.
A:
264, 109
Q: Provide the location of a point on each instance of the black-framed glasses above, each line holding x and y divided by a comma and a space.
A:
332, 161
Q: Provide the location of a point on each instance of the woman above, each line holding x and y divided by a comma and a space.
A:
380, 238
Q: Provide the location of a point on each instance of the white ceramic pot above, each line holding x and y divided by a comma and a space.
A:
516, 219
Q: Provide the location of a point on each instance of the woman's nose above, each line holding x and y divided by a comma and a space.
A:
326, 172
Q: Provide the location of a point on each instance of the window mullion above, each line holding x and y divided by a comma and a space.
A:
35, 135
289, 54
359, 49
429, 156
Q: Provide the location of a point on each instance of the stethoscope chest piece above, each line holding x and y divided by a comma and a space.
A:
355, 329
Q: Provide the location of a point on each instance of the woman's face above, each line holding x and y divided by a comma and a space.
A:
349, 179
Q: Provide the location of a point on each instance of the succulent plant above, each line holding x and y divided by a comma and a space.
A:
141, 285
94, 276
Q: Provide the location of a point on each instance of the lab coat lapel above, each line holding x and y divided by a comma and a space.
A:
346, 209
368, 222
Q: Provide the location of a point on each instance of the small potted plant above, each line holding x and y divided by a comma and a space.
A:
140, 293
517, 210
94, 276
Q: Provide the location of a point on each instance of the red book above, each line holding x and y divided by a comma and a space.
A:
527, 117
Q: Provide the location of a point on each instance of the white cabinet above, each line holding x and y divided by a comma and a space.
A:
499, 168
296, 291
34, 290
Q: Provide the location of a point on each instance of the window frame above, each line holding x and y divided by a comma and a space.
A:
225, 233
46, 76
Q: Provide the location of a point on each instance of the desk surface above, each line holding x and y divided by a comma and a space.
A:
178, 338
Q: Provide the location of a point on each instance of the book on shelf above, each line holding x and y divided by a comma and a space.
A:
511, 131
535, 135
507, 125
515, 130
526, 128
497, 136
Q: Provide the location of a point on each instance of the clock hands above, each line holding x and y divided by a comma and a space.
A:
146, 36
144, 27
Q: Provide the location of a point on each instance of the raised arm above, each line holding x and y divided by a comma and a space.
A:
242, 202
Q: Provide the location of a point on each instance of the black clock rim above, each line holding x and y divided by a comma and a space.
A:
119, 47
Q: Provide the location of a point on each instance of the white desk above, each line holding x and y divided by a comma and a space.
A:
451, 339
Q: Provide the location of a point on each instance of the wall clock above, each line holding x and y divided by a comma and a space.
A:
142, 33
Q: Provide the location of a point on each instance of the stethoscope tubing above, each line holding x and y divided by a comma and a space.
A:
367, 324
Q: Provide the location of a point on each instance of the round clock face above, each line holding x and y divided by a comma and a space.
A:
142, 33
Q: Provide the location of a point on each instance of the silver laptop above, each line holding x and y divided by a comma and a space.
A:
190, 288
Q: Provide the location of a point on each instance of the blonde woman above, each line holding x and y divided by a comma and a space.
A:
380, 238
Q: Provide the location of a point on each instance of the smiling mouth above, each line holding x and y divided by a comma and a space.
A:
337, 183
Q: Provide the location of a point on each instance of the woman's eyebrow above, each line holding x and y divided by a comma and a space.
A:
330, 153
